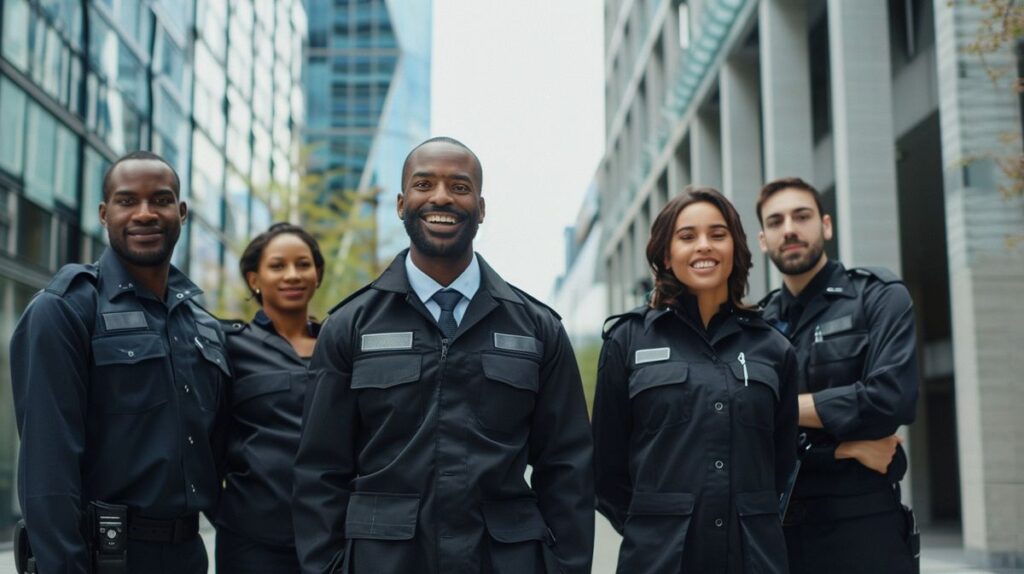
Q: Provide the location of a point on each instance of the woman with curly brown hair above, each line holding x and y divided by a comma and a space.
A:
695, 415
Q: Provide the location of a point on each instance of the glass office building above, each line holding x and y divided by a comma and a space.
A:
368, 84
213, 86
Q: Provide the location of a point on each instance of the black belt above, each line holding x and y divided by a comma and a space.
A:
827, 509
174, 530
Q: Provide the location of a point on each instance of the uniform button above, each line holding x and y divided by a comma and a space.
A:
719, 522
719, 464
237, 325
131, 353
719, 406
180, 296
190, 441
175, 339
187, 389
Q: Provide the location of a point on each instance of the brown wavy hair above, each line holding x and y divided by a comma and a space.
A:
667, 288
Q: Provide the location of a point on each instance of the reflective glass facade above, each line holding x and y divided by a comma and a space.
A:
214, 86
368, 90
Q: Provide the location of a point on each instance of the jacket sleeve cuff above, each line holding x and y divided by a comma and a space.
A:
838, 409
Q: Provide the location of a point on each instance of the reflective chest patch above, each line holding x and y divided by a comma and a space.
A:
124, 321
517, 343
652, 355
386, 341
844, 323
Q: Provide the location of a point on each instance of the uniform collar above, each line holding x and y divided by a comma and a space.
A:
425, 286
116, 281
745, 317
396, 280
262, 320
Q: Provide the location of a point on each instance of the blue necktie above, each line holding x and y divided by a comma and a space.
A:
447, 299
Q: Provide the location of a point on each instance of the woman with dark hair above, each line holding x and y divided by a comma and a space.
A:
282, 268
695, 415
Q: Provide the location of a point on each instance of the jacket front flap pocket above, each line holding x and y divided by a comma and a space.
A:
756, 372
838, 348
657, 375
511, 521
127, 349
382, 516
385, 371
258, 385
662, 503
754, 503
520, 373
214, 355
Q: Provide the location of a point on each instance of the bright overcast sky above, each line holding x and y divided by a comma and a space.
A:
521, 83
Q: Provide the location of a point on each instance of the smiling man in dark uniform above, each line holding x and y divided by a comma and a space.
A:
118, 379
436, 386
853, 330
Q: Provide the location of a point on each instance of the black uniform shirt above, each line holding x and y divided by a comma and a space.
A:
414, 446
791, 307
694, 439
856, 345
118, 397
267, 394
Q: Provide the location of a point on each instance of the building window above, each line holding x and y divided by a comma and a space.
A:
684, 25
33, 230
16, 32
12, 118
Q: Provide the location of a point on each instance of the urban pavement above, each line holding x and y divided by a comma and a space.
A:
942, 552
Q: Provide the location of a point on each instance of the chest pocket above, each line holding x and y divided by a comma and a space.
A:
660, 396
130, 373
214, 365
390, 397
505, 399
836, 361
757, 394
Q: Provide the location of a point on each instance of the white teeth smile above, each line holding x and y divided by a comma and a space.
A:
438, 218
704, 264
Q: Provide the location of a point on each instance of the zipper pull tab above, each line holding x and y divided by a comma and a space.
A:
743, 361
818, 337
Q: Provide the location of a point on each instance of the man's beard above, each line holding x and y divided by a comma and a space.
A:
800, 265
459, 245
153, 258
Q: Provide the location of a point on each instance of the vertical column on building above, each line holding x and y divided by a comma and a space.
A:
867, 205
640, 234
785, 95
706, 148
867, 202
985, 274
741, 153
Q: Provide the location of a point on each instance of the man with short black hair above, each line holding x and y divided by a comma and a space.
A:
854, 335
435, 386
119, 380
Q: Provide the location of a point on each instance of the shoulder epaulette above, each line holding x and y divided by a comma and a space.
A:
231, 326
767, 298
881, 273
64, 277
355, 294
533, 299
615, 320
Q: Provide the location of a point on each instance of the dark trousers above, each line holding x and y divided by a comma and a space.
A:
238, 554
164, 558
872, 544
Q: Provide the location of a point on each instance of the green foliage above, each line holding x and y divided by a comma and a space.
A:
586, 357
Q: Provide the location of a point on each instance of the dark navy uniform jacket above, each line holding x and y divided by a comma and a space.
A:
856, 343
118, 396
266, 397
414, 447
694, 436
